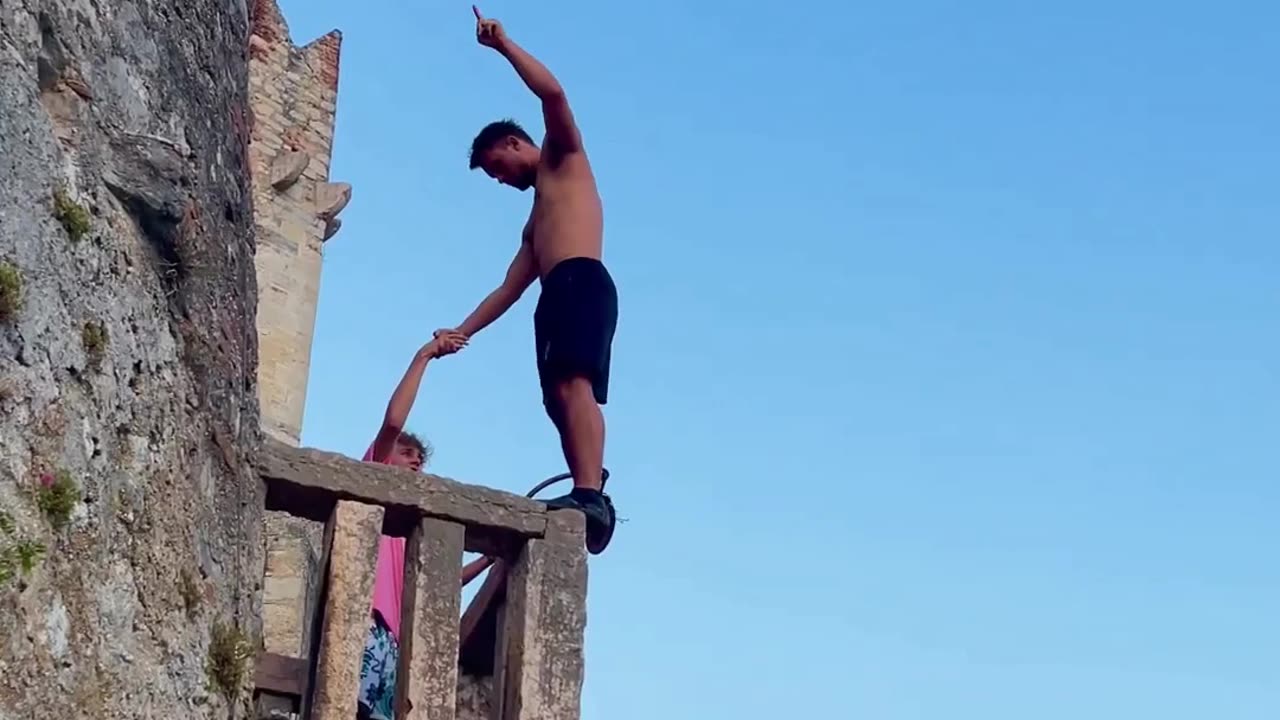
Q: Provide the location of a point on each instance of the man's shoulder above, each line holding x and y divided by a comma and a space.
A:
559, 162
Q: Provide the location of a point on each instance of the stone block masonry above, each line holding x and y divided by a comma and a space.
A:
293, 93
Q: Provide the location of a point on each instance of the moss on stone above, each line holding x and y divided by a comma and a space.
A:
57, 498
94, 338
229, 653
10, 292
74, 218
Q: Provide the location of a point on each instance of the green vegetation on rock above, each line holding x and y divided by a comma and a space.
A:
74, 218
94, 339
57, 497
10, 292
229, 653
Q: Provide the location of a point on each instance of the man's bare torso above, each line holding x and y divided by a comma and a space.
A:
567, 219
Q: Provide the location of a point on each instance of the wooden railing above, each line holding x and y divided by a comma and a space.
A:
534, 601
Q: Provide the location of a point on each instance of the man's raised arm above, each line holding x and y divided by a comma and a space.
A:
520, 276
562, 130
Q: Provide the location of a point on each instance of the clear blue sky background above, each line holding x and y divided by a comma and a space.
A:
947, 382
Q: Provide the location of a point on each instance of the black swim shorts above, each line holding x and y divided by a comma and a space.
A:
574, 323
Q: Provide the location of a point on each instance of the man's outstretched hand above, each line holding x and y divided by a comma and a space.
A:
489, 32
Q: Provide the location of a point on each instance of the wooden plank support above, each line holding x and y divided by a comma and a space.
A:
427, 679
281, 674
305, 482
352, 538
539, 676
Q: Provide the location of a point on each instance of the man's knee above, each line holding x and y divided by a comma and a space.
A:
574, 390
565, 394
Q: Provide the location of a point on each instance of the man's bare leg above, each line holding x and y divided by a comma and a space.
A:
572, 407
581, 426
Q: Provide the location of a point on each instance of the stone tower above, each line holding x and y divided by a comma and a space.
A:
293, 94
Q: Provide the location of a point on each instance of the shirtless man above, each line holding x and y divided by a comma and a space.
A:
578, 309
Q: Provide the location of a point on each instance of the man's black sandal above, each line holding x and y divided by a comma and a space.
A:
598, 538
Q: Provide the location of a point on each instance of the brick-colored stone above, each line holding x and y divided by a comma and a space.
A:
353, 533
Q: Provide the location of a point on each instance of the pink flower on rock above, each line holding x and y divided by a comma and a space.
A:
47, 480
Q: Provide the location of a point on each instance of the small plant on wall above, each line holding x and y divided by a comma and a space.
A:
229, 653
10, 292
74, 218
57, 497
94, 339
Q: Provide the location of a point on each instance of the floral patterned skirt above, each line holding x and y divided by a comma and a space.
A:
378, 672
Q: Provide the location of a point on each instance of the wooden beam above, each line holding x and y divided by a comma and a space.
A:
307, 483
281, 675
539, 672
354, 534
427, 681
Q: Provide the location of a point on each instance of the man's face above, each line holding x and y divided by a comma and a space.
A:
406, 456
509, 163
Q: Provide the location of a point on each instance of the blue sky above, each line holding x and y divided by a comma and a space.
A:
947, 382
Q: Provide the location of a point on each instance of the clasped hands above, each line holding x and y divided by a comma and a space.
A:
445, 341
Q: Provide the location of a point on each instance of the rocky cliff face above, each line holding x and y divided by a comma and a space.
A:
130, 520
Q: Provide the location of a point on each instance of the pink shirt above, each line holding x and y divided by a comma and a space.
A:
388, 579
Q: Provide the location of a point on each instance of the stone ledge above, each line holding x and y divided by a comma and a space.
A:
287, 167
308, 483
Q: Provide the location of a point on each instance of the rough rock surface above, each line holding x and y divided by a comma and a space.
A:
473, 697
129, 365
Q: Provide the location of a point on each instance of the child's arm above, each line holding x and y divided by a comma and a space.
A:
407, 391
472, 569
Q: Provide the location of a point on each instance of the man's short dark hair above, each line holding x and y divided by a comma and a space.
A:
494, 133
423, 447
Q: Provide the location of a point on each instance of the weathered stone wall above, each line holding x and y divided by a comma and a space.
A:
293, 93
129, 588
291, 583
